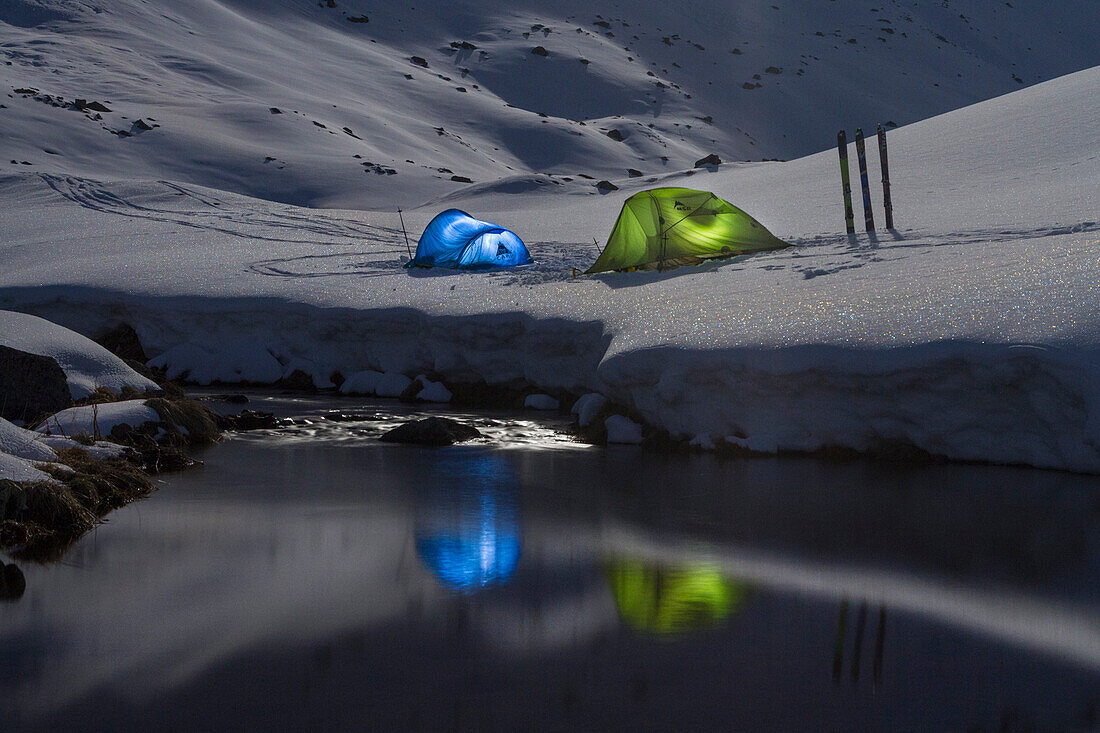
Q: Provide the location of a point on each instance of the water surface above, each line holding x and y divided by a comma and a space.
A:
313, 577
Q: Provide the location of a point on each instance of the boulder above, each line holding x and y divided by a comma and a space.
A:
31, 386
711, 159
431, 431
122, 340
255, 420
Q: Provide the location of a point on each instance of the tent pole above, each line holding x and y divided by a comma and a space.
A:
407, 248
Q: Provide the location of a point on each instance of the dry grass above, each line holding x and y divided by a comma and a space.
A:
54, 514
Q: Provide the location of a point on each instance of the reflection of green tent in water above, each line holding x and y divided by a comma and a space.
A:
468, 533
672, 599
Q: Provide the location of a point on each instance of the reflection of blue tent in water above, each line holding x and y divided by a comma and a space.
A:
456, 239
469, 536
673, 599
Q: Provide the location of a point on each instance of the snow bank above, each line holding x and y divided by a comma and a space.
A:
229, 361
362, 383
25, 444
623, 430
541, 402
587, 407
433, 391
86, 364
101, 419
14, 468
391, 384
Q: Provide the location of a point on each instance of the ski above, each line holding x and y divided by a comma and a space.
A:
861, 151
885, 178
849, 216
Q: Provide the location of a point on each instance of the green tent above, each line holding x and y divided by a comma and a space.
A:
671, 600
668, 227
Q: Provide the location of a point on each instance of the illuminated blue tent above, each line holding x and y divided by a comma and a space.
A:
456, 239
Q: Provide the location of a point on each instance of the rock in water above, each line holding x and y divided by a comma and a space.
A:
12, 583
431, 431
31, 386
255, 420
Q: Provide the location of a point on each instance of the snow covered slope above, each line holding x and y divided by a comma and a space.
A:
971, 331
374, 105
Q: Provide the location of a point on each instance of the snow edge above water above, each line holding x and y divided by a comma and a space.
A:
997, 403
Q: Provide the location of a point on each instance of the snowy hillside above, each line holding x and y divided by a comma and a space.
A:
359, 104
971, 331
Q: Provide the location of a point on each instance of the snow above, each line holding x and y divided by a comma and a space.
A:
99, 419
392, 384
971, 331
25, 444
231, 361
21, 450
362, 383
541, 402
318, 373
587, 407
86, 364
13, 468
433, 391
623, 430
206, 76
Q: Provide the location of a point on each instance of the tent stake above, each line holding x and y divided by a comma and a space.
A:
407, 248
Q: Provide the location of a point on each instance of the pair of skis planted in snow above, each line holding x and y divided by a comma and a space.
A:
861, 152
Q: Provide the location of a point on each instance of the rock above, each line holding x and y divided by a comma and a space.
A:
31, 386
276, 111
297, 381
615, 135
255, 420
461, 179
431, 431
711, 159
142, 125
607, 186
773, 70
12, 583
419, 61
358, 19
409, 393
122, 340
540, 51
633, 172
463, 45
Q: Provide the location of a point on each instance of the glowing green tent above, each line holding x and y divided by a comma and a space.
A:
672, 600
668, 227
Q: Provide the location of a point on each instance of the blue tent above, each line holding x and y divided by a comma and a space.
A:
456, 239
